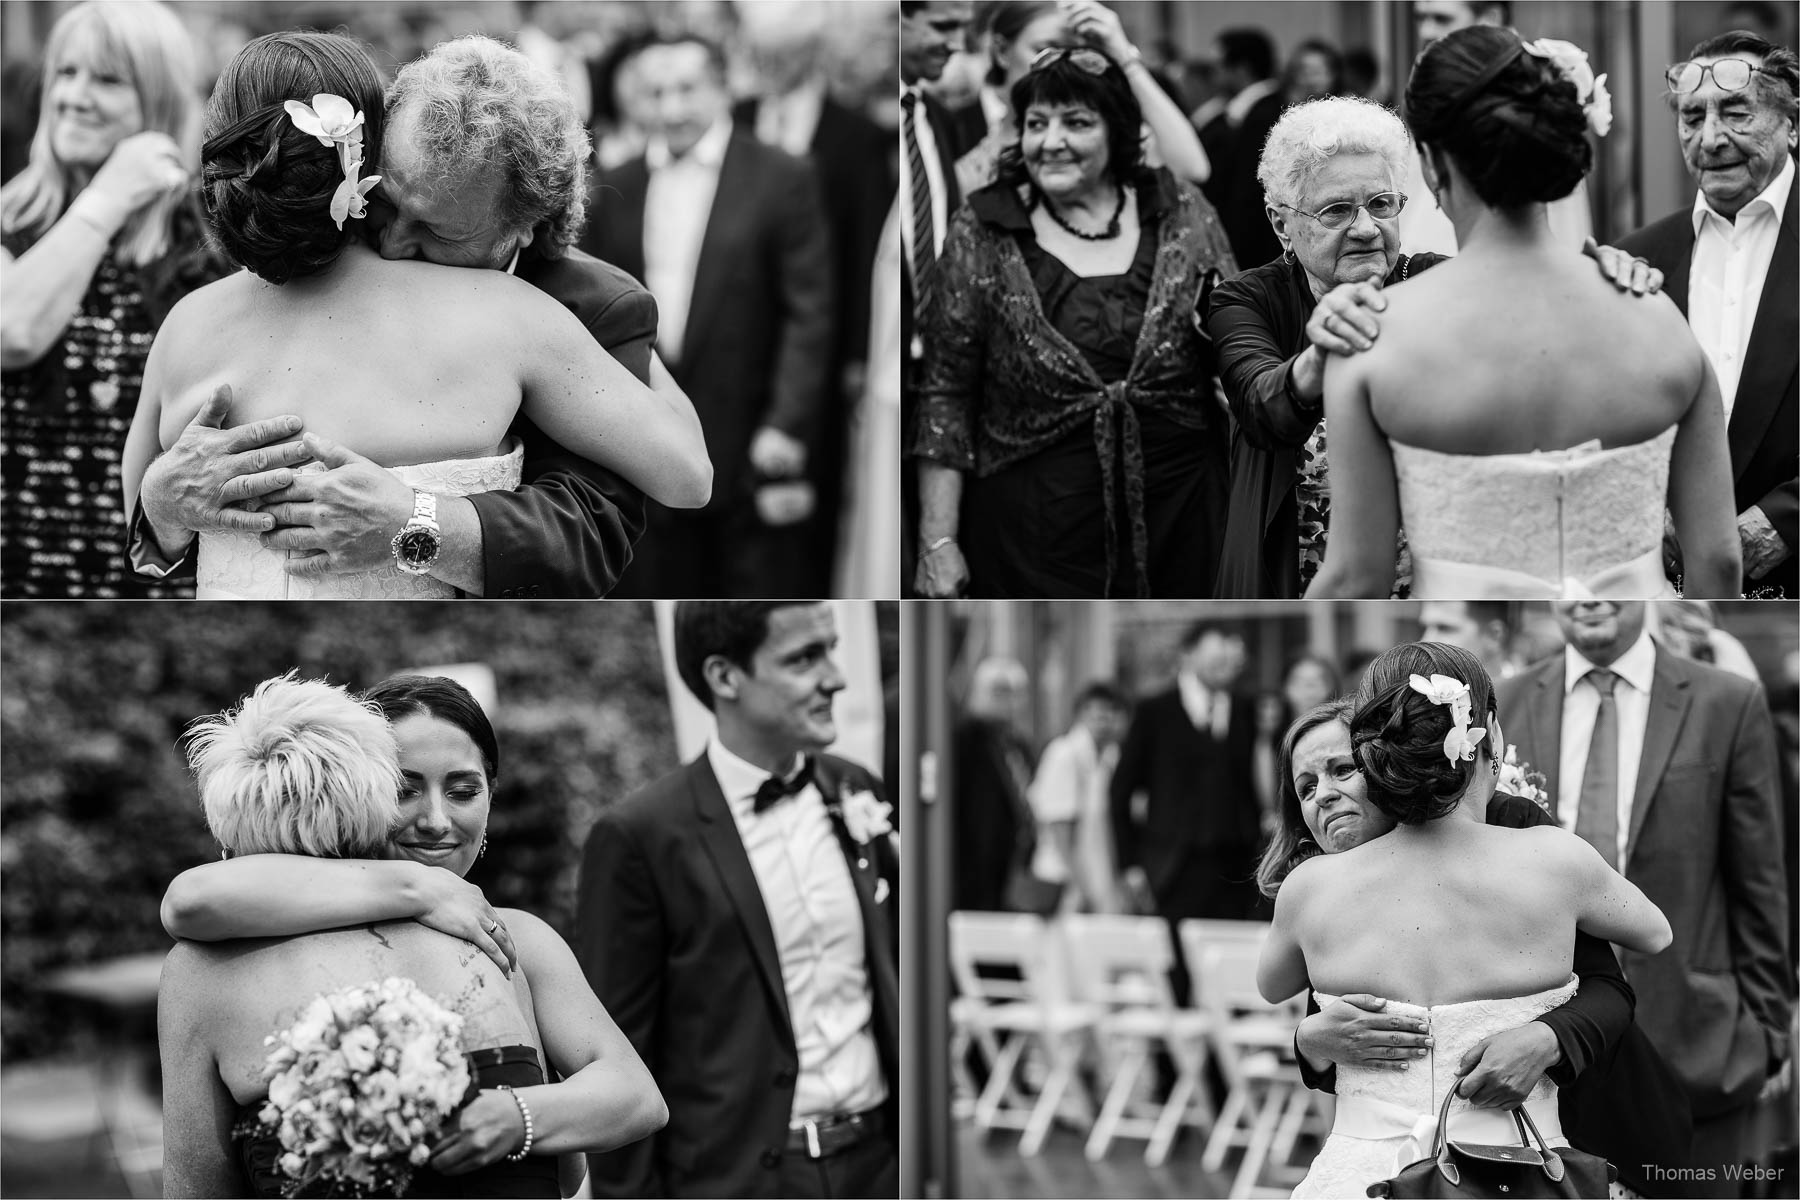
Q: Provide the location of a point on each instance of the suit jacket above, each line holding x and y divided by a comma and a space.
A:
1257, 322
994, 833
758, 339
1703, 844
673, 935
1764, 432
1616, 1095
1252, 241
1202, 793
950, 143
570, 530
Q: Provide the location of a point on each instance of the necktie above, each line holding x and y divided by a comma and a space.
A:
775, 789
1597, 821
924, 254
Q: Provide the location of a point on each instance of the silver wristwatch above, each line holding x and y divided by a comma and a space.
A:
417, 545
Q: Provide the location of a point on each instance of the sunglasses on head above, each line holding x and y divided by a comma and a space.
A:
1731, 74
1091, 61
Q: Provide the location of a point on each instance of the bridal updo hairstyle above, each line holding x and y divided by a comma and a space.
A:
267, 185
1397, 734
298, 767
1511, 122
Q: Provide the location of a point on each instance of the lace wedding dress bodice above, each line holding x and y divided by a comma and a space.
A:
1386, 1118
236, 566
1575, 522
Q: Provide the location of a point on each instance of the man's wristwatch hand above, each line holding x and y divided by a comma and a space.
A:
420, 541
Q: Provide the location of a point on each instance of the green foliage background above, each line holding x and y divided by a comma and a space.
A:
99, 811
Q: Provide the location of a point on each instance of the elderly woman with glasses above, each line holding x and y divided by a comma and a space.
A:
1068, 441
1331, 173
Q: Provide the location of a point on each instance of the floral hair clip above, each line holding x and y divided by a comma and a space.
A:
1571, 62
1459, 743
335, 122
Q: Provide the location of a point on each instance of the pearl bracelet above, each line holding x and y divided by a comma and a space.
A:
939, 544
530, 1130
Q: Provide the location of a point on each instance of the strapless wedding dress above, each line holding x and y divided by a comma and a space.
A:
1386, 1119
237, 566
1572, 523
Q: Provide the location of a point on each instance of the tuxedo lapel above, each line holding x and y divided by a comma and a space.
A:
732, 205
1671, 694
1769, 357
1544, 729
719, 834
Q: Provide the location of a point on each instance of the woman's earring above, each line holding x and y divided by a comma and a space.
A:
483, 849
1495, 764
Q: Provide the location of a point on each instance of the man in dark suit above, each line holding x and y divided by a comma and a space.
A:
1668, 767
1616, 1095
1729, 263
570, 530
730, 236
854, 159
1190, 750
992, 829
737, 919
930, 32
1247, 69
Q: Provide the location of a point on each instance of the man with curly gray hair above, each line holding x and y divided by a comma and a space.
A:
484, 165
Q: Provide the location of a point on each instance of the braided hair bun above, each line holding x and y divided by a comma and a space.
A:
1511, 122
267, 185
1397, 734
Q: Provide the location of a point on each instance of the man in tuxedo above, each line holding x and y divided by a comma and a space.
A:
930, 32
1729, 263
1190, 750
569, 531
853, 158
1668, 767
737, 918
730, 236
1247, 71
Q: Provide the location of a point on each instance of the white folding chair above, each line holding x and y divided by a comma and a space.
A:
1121, 964
1020, 1008
1268, 1101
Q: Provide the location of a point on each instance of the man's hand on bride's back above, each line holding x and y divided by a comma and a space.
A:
342, 519
204, 481
1356, 1031
451, 904
1500, 1071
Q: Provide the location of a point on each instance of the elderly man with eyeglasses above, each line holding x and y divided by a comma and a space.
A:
1729, 263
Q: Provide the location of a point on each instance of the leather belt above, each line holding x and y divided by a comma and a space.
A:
834, 1135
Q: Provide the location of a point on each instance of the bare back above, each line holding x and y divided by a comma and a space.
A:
254, 987
1439, 914
403, 362
1491, 354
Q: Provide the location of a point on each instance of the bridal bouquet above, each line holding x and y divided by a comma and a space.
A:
360, 1087
1521, 779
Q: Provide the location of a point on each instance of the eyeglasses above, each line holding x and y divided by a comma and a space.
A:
1384, 206
1091, 61
1731, 74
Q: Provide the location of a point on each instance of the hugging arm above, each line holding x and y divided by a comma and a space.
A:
198, 1109
1281, 972
606, 1098
1606, 904
1365, 516
1700, 499
620, 947
283, 895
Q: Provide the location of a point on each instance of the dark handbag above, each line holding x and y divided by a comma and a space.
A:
1456, 1169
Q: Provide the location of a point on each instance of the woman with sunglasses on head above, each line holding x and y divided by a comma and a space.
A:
1068, 441
1332, 172
1524, 422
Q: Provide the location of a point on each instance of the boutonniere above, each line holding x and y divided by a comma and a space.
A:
864, 817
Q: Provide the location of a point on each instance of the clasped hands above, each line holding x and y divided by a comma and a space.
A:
1498, 1072
336, 521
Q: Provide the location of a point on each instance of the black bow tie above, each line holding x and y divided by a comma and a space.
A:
775, 789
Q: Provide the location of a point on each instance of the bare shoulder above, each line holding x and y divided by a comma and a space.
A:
530, 932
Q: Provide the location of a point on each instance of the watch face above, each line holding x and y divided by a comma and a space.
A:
417, 547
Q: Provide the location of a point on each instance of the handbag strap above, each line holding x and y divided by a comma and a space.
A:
1440, 1142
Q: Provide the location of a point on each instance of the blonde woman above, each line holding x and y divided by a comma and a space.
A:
101, 236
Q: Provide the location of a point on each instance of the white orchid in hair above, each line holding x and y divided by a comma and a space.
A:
1571, 62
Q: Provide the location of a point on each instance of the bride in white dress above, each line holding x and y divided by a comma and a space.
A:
1473, 924
1524, 422
421, 368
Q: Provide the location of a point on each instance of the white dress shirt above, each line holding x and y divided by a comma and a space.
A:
811, 901
1210, 711
1725, 281
677, 204
1635, 669
789, 121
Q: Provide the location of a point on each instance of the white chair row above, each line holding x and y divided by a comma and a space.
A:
1101, 983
